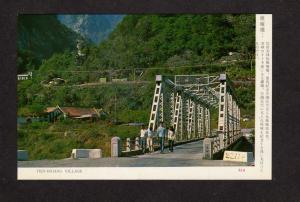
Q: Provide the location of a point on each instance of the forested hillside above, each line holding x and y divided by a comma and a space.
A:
151, 40
39, 37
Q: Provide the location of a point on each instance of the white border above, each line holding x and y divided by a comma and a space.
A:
258, 172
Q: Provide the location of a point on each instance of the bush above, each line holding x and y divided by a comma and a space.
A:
38, 125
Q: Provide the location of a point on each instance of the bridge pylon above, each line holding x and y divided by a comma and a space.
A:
229, 112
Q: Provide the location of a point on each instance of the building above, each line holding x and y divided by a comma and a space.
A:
56, 81
53, 113
24, 76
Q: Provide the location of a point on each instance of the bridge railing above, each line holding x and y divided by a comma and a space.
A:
133, 144
217, 143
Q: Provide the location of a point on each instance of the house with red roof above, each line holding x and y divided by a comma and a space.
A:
73, 113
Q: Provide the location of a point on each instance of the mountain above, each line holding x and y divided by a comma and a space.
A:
93, 27
39, 37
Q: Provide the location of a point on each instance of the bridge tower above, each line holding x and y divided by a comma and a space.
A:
162, 104
229, 112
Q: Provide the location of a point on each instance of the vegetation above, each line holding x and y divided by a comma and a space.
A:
56, 141
39, 37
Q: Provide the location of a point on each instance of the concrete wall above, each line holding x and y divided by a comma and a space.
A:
22, 155
87, 153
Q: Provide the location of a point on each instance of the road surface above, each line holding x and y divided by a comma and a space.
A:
189, 154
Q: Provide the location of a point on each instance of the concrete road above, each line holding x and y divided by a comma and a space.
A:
189, 154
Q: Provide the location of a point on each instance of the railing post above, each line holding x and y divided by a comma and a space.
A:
116, 147
137, 143
215, 143
207, 122
218, 144
128, 144
208, 148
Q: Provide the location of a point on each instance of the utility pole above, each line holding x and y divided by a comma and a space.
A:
115, 106
133, 74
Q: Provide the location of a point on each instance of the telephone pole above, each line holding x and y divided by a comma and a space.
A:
115, 106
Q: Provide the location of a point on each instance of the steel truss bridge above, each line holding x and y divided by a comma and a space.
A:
185, 102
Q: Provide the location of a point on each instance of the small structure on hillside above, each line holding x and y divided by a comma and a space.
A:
53, 113
231, 57
119, 80
56, 81
102, 80
24, 76
246, 119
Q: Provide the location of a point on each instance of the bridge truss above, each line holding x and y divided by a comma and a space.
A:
185, 102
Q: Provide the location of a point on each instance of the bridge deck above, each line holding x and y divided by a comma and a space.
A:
184, 155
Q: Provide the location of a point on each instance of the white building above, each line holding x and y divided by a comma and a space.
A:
24, 76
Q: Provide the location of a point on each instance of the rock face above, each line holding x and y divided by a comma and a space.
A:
93, 27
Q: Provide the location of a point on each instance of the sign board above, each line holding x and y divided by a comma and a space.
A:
238, 156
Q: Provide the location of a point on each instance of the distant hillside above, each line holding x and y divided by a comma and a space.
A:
156, 40
39, 37
93, 27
